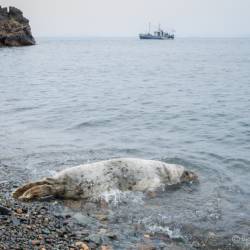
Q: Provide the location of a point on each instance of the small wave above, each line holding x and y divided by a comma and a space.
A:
116, 197
213, 155
237, 161
239, 166
23, 109
244, 124
128, 151
179, 161
88, 124
173, 234
232, 189
157, 224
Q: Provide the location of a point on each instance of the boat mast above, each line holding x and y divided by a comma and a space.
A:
149, 27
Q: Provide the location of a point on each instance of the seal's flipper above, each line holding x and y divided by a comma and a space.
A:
36, 192
40, 189
20, 191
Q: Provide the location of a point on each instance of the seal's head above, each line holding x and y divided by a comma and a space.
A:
189, 176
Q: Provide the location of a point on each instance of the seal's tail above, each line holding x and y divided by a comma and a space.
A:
35, 190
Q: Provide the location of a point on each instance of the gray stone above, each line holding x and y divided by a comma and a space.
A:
96, 238
4, 211
83, 219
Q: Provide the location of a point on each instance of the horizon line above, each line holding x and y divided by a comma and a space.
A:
130, 36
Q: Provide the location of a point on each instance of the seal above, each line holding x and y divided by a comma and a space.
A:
91, 180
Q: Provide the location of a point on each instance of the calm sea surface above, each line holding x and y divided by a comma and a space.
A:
70, 101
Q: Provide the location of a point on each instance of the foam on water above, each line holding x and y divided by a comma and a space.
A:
116, 197
157, 224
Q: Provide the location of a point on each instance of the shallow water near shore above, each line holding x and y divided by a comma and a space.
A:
66, 102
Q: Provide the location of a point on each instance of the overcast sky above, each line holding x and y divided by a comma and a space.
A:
130, 17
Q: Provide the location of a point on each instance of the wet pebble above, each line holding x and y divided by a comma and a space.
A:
4, 211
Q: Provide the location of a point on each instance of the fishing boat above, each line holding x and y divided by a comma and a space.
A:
157, 35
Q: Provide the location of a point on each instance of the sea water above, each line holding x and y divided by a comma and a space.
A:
65, 102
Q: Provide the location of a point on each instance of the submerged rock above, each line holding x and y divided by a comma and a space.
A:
4, 211
14, 28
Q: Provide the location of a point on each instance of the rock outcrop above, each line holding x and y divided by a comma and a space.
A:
14, 28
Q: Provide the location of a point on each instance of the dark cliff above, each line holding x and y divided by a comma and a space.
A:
14, 28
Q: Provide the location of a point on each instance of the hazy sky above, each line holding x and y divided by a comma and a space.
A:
130, 17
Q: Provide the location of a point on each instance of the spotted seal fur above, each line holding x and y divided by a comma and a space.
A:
90, 180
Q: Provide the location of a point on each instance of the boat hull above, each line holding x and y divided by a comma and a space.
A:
152, 37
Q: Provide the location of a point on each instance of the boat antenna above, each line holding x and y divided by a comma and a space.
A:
149, 27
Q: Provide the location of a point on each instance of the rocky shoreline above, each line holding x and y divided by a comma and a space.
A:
73, 225
41, 225
14, 28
